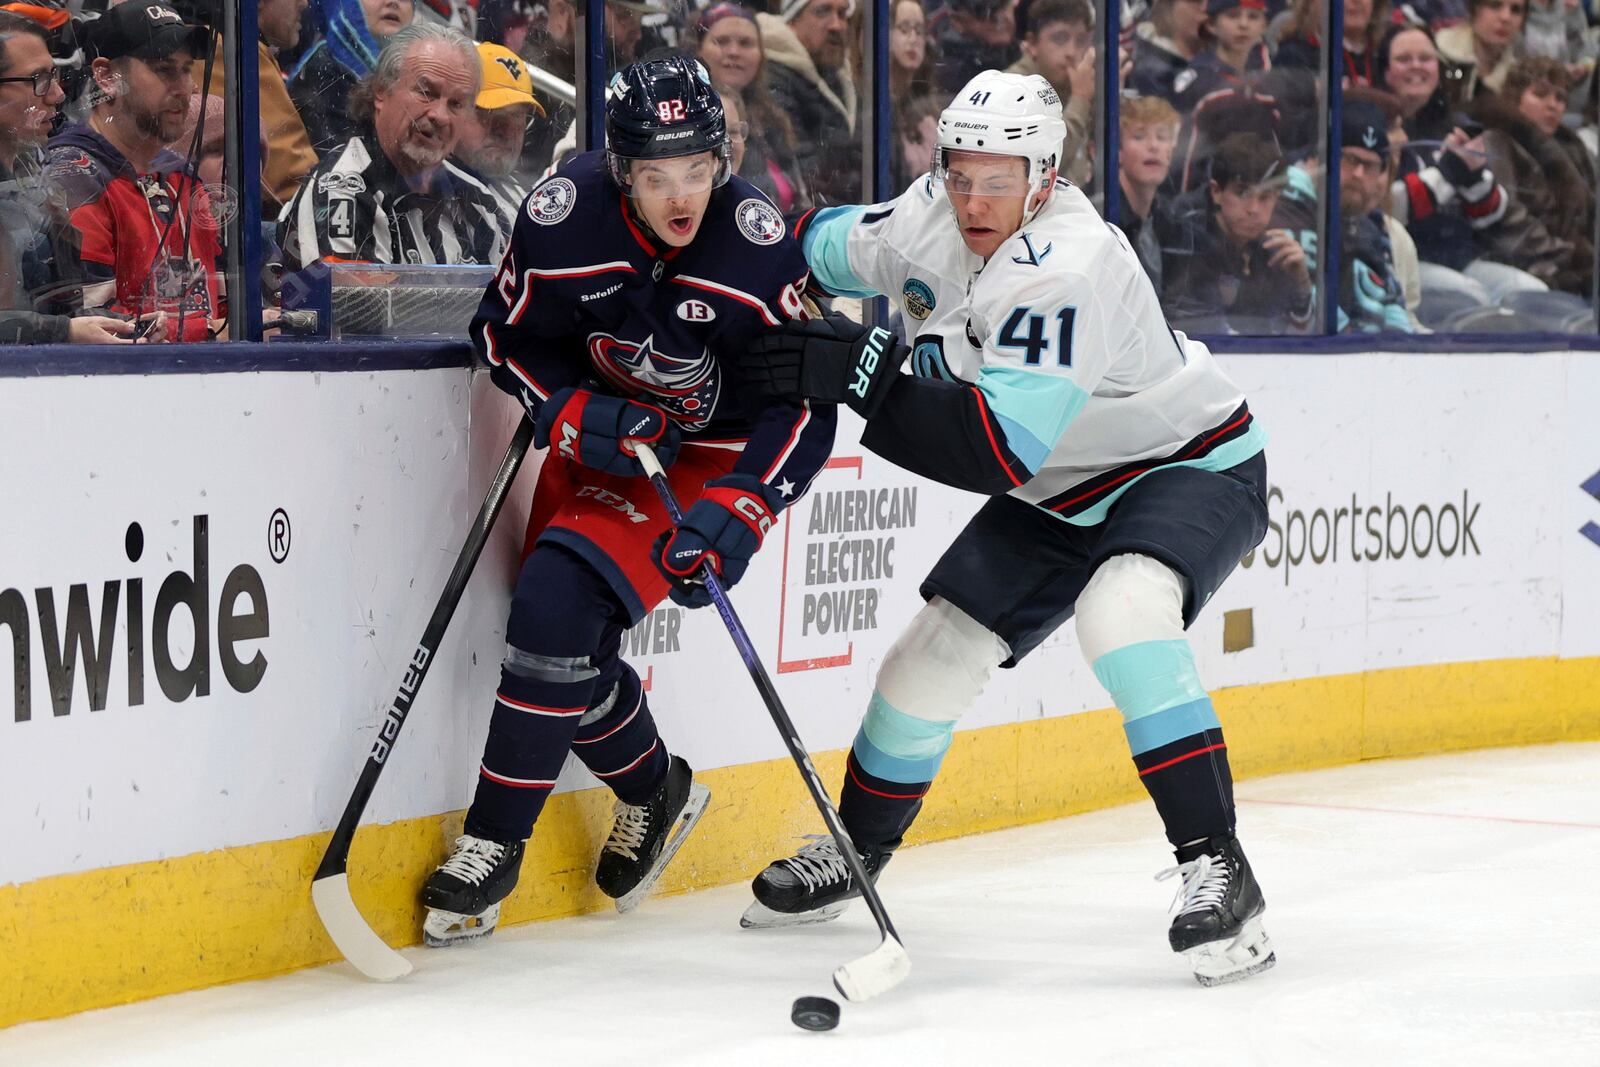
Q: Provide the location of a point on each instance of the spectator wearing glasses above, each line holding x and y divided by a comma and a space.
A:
151, 242
353, 32
971, 36
1482, 51
1461, 217
811, 80
1059, 44
490, 148
910, 58
729, 44
390, 195
38, 250
1371, 299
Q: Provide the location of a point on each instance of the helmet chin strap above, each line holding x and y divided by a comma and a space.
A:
1043, 195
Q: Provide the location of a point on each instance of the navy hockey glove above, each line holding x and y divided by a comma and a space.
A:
834, 359
723, 528
589, 428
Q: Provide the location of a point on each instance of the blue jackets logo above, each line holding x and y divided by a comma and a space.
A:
687, 387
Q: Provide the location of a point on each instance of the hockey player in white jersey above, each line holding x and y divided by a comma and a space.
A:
1125, 473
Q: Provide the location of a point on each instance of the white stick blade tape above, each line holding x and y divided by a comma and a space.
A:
877, 972
365, 950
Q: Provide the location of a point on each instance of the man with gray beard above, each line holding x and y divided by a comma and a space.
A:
490, 148
389, 195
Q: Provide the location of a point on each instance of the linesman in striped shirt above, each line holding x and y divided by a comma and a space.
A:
390, 195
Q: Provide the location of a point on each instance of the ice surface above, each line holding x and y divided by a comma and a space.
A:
1441, 910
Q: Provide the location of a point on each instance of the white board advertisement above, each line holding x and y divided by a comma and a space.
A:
210, 585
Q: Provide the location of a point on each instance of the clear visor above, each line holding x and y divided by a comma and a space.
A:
679, 176
980, 174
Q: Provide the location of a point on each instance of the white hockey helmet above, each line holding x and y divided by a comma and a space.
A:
1005, 115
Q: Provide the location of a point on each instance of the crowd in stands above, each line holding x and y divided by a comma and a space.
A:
410, 131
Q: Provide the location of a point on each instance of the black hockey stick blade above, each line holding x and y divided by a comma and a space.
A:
887, 965
330, 887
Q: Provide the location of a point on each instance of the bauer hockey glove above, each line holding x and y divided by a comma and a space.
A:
834, 359
589, 428
723, 528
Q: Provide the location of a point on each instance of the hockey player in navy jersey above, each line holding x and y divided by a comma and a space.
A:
632, 273
1126, 478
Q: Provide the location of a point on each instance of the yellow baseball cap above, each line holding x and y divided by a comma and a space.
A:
506, 80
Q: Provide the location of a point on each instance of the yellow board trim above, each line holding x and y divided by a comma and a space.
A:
121, 934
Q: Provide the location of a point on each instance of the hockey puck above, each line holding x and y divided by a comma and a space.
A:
815, 1013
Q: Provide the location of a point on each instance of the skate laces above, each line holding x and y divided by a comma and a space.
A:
474, 858
819, 863
628, 832
1205, 883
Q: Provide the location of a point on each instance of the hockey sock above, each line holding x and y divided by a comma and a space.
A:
1174, 735
618, 742
536, 713
877, 812
561, 611
890, 769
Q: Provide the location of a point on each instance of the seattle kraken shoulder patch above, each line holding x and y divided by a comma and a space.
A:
918, 298
759, 221
552, 201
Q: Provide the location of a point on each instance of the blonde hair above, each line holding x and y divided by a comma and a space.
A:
1146, 111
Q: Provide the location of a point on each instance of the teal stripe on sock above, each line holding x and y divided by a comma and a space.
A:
1150, 676
899, 747
1165, 727
880, 764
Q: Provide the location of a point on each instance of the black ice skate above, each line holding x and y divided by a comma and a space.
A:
645, 837
812, 886
1218, 925
463, 896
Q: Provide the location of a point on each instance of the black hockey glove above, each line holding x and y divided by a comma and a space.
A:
834, 359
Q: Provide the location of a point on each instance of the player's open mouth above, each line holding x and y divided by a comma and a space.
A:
681, 224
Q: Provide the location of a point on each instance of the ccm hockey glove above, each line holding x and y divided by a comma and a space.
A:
589, 428
834, 359
723, 529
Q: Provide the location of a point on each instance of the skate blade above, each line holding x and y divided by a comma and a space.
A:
443, 929
760, 917
693, 808
1222, 962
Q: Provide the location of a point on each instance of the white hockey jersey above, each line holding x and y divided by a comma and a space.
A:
1061, 332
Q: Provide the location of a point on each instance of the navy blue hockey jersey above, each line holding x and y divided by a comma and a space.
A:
585, 296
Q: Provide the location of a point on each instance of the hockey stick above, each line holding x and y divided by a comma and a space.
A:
886, 966
330, 888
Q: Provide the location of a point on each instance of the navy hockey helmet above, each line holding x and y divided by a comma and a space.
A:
662, 108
